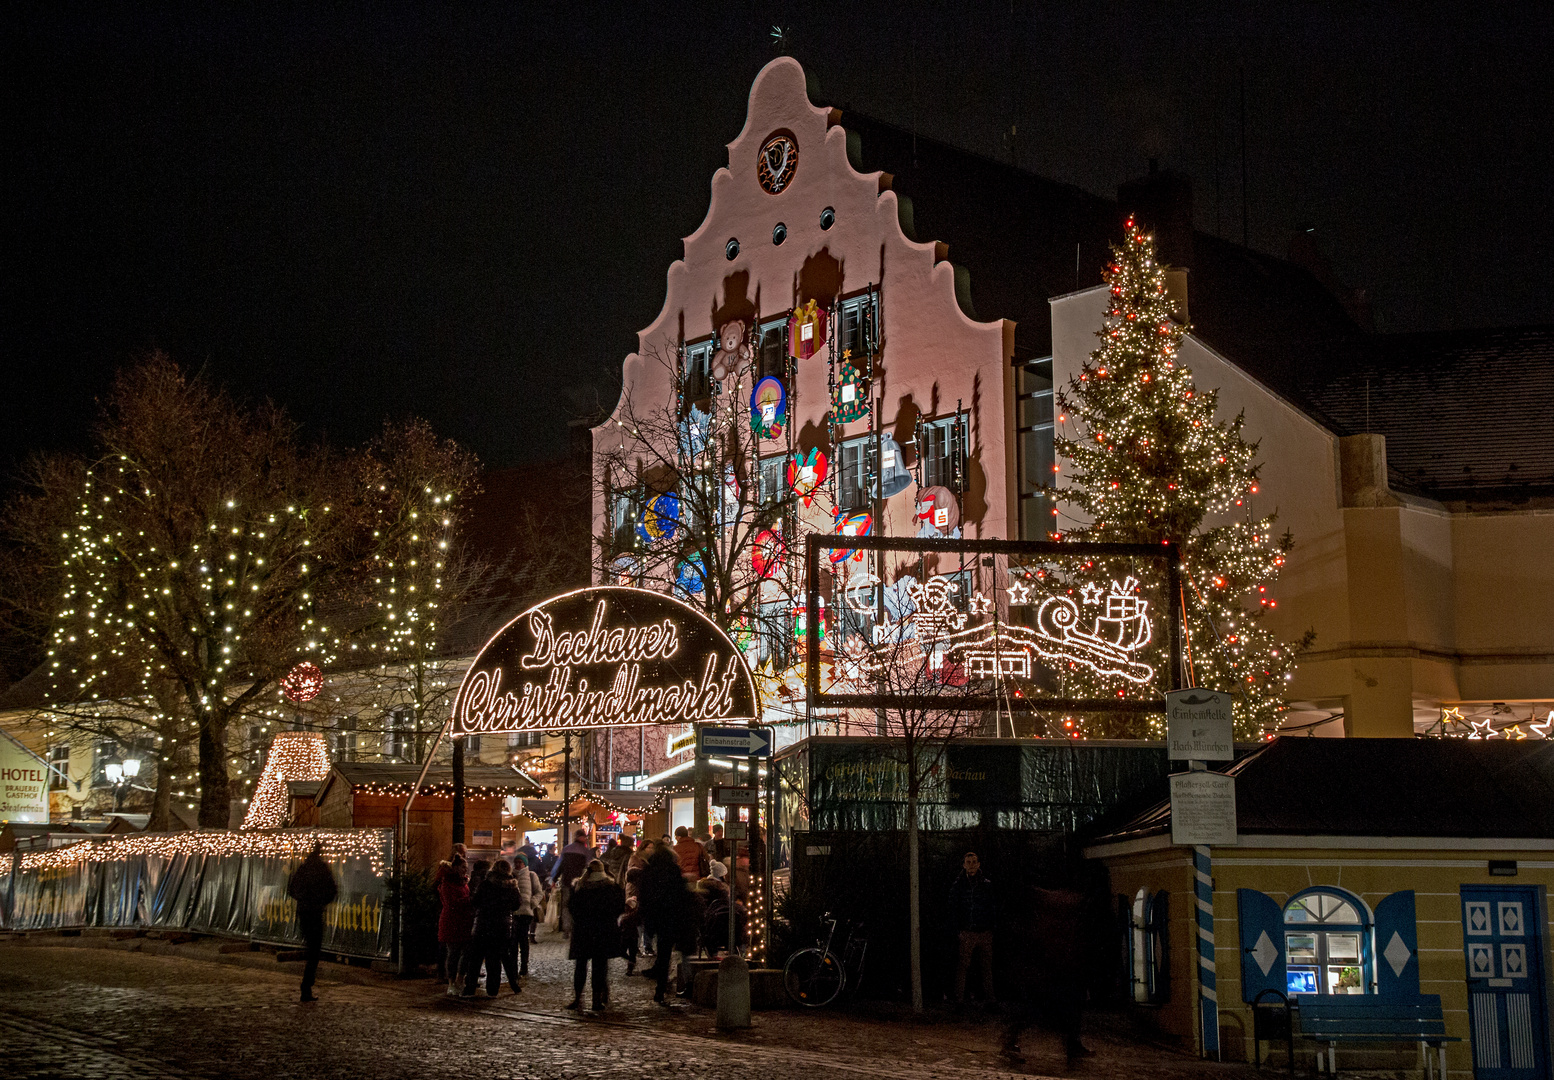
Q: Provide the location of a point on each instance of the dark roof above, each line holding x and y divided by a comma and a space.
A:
1296, 786
303, 789
1465, 412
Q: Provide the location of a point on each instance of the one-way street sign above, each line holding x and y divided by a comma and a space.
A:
736, 741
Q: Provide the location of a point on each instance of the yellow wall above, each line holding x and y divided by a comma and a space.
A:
1433, 871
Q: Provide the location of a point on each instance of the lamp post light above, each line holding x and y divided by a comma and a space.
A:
121, 775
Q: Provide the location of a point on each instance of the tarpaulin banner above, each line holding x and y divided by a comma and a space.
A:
1042, 786
232, 884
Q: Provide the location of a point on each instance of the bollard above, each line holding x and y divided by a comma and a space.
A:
733, 993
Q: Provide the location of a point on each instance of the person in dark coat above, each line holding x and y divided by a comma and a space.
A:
574, 860
495, 901
669, 913
597, 903
456, 921
973, 909
313, 887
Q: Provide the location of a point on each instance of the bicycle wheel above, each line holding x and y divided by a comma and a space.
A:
813, 978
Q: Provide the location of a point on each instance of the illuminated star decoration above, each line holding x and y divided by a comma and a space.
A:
1019, 594
981, 605
1543, 728
1482, 729
1091, 593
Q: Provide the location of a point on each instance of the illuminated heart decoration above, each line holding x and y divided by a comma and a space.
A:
805, 474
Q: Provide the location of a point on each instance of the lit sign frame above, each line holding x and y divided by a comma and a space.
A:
1051, 645
601, 657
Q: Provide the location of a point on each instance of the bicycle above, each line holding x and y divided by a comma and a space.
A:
816, 977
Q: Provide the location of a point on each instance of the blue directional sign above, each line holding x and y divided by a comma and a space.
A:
734, 741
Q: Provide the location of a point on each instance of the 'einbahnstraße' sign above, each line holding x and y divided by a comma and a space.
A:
604, 657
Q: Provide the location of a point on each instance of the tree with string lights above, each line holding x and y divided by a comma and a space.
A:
1148, 461
196, 558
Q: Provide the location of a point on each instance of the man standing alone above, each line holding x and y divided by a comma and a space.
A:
313, 887
973, 909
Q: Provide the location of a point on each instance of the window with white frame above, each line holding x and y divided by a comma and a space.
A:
396, 734
852, 483
1147, 918
1325, 941
698, 371
342, 738
1034, 432
943, 453
59, 759
521, 740
856, 322
771, 479
771, 354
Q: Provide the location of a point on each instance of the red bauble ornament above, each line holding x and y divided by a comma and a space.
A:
302, 683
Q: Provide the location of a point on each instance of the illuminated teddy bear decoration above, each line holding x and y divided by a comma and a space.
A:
733, 352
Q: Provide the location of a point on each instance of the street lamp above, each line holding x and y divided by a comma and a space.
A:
121, 775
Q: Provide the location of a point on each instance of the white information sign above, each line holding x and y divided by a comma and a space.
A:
1203, 809
1199, 726
24, 783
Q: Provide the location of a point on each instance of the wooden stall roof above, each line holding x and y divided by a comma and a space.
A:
391, 779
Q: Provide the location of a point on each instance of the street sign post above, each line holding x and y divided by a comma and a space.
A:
734, 796
1199, 726
736, 830
735, 741
1203, 809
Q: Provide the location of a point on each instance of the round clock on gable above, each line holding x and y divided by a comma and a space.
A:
779, 157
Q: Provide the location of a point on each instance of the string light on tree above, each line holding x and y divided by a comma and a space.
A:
1150, 462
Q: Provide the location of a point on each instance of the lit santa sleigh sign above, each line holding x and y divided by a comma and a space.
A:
604, 657
1105, 625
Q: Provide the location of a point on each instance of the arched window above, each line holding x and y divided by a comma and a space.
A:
1327, 943
1148, 925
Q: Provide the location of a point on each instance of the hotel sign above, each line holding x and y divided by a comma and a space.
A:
604, 657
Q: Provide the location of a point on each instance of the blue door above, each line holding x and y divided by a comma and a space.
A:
1502, 937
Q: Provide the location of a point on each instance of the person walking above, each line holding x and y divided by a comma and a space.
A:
495, 901
694, 863
973, 909
574, 860
668, 914
596, 906
313, 887
456, 921
718, 849
523, 916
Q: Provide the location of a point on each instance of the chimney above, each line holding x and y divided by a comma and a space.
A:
1162, 204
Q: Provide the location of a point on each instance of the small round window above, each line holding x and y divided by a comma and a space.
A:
779, 233
732, 250
827, 218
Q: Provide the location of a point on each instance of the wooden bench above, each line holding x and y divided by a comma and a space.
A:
1365, 1018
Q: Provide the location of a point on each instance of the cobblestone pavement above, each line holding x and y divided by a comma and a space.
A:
93, 1008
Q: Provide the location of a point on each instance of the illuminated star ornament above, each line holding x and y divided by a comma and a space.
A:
1091, 593
1019, 594
302, 683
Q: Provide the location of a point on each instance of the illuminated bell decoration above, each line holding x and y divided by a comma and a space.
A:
768, 408
302, 683
938, 511
806, 474
806, 330
768, 554
858, 523
660, 519
850, 395
894, 478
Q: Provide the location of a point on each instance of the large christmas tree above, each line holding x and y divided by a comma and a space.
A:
1148, 461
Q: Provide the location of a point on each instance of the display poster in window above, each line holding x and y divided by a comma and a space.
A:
610, 656
1199, 726
1203, 809
24, 784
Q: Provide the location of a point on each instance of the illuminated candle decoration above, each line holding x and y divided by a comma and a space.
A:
302, 683
294, 755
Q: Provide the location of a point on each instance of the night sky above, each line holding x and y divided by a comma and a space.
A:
466, 211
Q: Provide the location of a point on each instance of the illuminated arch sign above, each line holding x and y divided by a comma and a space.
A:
604, 657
